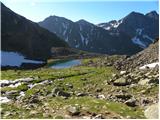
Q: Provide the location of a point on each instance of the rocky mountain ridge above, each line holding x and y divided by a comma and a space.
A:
135, 31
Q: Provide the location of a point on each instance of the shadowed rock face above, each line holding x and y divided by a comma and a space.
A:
24, 36
89, 37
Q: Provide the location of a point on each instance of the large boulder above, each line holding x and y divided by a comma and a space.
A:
152, 112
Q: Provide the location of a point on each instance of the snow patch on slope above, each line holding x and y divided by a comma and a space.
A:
137, 41
15, 59
80, 27
64, 32
4, 99
152, 65
108, 26
117, 23
82, 38
87, 41
66, 39
77, 45
104, 26
149, 38
15, 85
65, 28
101, 25
139, 31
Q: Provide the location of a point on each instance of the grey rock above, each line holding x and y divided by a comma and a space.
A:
73, 110
121, 82
145, 101
101, 97
131, 102
99, 116
81, 94
152, 112
86, 117
60, 92
123, 96
123, 72
144, 81
115, 76
56, 90
64, 94
12, 94
108, 64
69, 85
7, 113
148, 81
34, 99
33, 112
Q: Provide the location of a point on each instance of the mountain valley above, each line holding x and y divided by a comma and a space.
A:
60, 69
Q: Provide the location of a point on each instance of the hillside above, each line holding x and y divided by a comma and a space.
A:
26, 37
93, 89
147, 56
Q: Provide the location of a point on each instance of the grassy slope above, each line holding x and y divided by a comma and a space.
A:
83, 78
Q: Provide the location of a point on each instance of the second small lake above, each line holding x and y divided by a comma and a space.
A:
66, 64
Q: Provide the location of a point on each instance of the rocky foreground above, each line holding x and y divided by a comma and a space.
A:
94, 89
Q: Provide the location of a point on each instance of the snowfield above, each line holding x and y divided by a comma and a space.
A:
15, 59
152, 65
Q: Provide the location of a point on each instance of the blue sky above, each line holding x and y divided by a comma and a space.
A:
95, 11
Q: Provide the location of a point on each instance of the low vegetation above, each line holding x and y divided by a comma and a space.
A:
85, 87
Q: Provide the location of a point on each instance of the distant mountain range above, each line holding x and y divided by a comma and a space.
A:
128, 35
21, 35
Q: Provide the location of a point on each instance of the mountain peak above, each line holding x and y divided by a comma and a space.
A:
56, 18
152, 14
83, 22
133, 13
4, 7
112, 21
52, 17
